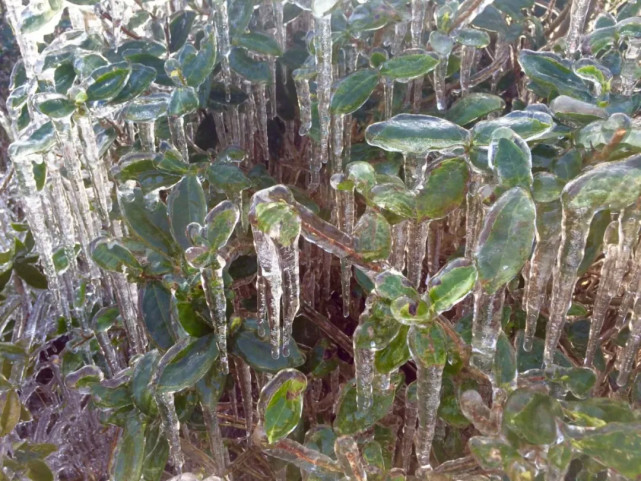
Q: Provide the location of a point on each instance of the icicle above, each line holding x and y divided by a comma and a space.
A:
399, 242
632, 288
400, 30
388, 96
467, 62
222, 28
216, 445
323, 27
429, 394
364, 370
214, 287
578, 16
289, 265
486, 327
34, 211
244, 375
108, 352
281, 32
261, 288
474, 213
337, 144
171, 426
409, 428
262, 120
279, 271
304, 105
416, 249
88, 146
629, 71
631, 348
548, 236
147, 136
574, 232
350, 458
417, 22
128, 312
346, 214
178, 137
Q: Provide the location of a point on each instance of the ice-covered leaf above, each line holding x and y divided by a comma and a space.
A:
528, 125
108, 81
351, 420
259, 43
112, 255
10, 408
395, 354
129, 457
506, 239
473, 107
147, 108
372, 236
553, 74
256, 71
139, 80
353, 91
196, 66
179, 28
451, 284
141, 390
186, 204
415, 134
186, 362
155, 308
407, 67
428, 344
443, 191
281, 403
510, 157
532, 416
183, 100
220, 223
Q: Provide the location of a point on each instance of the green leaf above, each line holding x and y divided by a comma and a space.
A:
220, 223
186, 204
155, 308
553, 74
578, 380
353, 91
451, 284
150, 225
156, 453
471, 37
227, 178
281, 403
616, 446
183, 101
9, 412
372, 236
112, 255
196, 67
576, 113
443, 191
390, 285
256, 71
504, 369
395, 354
147, 108
105, 318
278, 220
141, 389
256, 350
351, 420
474, 106
108, 81
532, 416
259, 43
40, 174
377, 327
144, 169
415, 134
528, 125
37, 470
12, 352
395, 198
407, 67
56, 107
546, 187
42, 139
511, 159
179, 28
29, 273
139, 80
211, 386
506, 239
129, 457
492, 453
186, 362
428, 344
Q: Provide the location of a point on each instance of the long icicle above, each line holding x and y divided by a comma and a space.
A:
429, 393
323, 26
548, 236
578, 16
409, 428
214, 287
486, 327
350, 458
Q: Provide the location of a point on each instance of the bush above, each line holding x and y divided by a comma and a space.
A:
215, 209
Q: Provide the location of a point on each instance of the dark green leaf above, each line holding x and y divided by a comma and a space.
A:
281, 403
443, 191
108, 81
155, 307
129, 457
473, 107
179, 28
353, 91
256, 71
186, 362
139, 80
532, 416
408, 67
451, 284
259, 43
186, 204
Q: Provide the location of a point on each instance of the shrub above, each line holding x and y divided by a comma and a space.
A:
215, 209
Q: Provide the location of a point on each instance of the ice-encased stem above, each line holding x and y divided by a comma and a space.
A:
147, 136
108, 352
36, 218
467, 62
178, 137
417, 22
364, 374
474, 214
289, 265
214, 288
409, 427
346, 213
440, 86
261, 289
244, 375
304, 105
486, 327
632, 288
216, 445
128, 311
631, 348
429, 397
323, 27
399, 242
548, 236
574, 233
578, 16
88, 145
416, 249
171, 427
224, 46
262, 120
388, 96
349, 458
